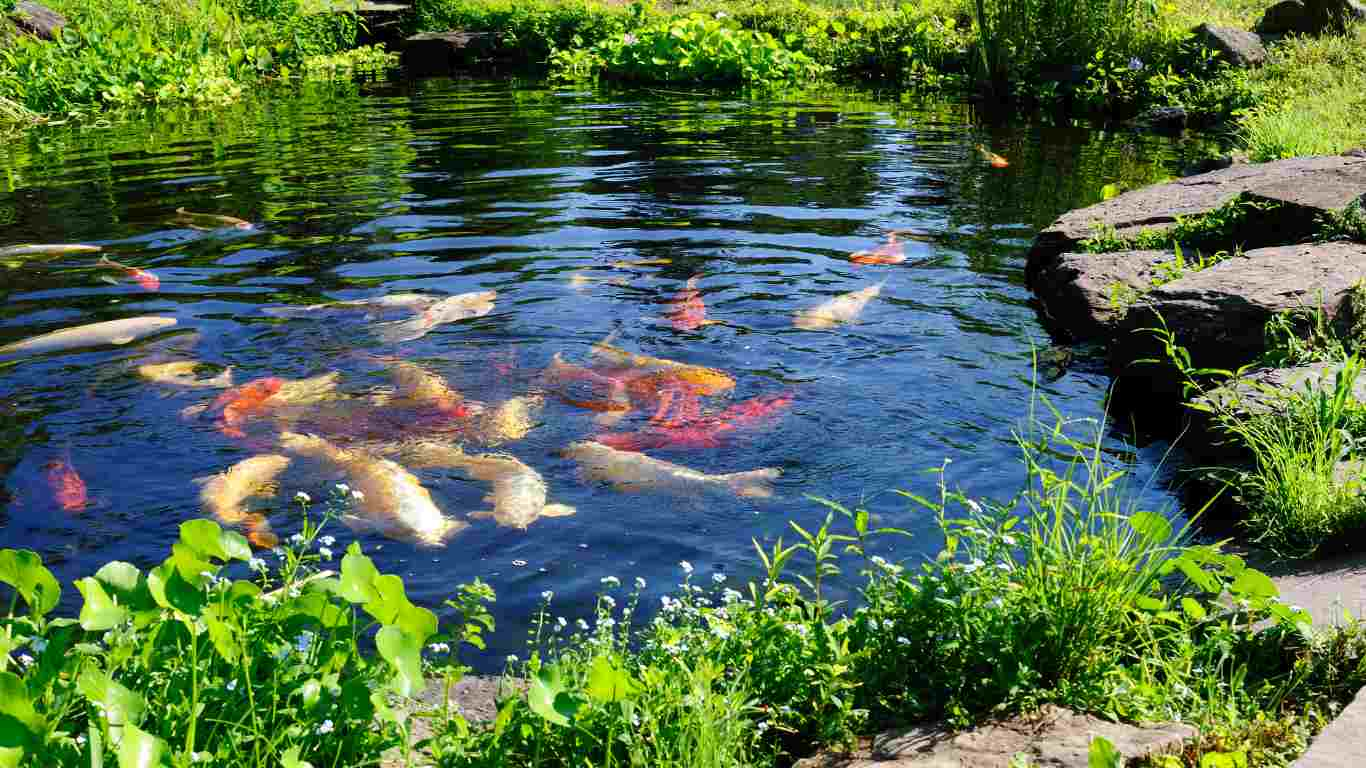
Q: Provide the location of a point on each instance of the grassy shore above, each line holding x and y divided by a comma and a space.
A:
1064, 594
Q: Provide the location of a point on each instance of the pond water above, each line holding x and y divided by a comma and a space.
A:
587, 212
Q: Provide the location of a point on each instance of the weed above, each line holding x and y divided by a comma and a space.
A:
1220, 226
1346, 224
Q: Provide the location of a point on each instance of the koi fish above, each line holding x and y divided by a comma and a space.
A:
46, 249
890, 252
509, 421
147, 280
210, 220
579, 282
68, 489
418, 386
255, 398
519, 492
585, 388
449, 310
225, 495
392, 301
841, 309
710, 379
629, 471
705, 432
687, 310
115, 332
182, 374
393, 499
991, 157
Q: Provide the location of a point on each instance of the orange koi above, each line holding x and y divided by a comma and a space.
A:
890, 252
704, 432
67, 486
236, 404
585, 388
147, 280
687, 310
991, 157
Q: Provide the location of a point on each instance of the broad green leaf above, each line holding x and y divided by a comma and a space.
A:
235, 545
391, 606
1255, 584
1193, 608
1156, 528
23, 569
358, 574
16, 705
290, 759
222, 633
1149, 603
1109, 191
500, 723
548, 698
311, 691
99, 611
404, 652
608, 681
170, 590
140, 749
204, 537
1102, 754
121, 706
119, 576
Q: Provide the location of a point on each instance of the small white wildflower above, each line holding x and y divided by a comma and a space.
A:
561, 622
731, 596
325, 728
548, 595
763, 726
635, 720
357, 496
512, 658
302, 497
611, 581
997, 602
296, 539
1009, 540
294, 592
582, 625
325, 553
686, 566
974, 565
974, 506
721, 631
257, 564
232, 685
902, 640
80, 739
607, 622
343, 489
327, 541
439, 648
609, 602
38, 644
887, 624
26, 660
718, 578
640, 583
1135, 63
199, 757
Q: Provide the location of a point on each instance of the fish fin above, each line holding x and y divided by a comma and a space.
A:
557, 510
756, 484
121, 339
483, 514
203, 480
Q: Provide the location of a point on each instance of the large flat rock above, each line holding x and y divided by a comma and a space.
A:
1086, 294
1305, 186
1343, 743
1052, 738
1219, 314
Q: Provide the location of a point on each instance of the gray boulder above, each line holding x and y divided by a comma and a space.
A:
1219, 314
1086, 294
1235, 46
37, 20
1310, 17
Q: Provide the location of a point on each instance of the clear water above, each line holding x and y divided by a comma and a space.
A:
449, 186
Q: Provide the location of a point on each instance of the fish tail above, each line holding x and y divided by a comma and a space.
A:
755, 484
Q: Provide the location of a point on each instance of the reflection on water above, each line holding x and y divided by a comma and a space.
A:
629, 215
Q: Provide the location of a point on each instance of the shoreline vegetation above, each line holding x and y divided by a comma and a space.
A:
1066, 594
1112, 59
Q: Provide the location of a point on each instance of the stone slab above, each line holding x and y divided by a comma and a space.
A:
1343, 743
1219, 314
1238, 47
37, 20
1052, 738
437, 53
1086, 294
1315, 184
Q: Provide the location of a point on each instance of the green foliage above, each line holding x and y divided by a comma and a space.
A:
1222, 226
1346, 224
367, 58
694, 49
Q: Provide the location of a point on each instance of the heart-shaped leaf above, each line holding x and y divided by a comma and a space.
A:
1152, 526
99, 611
404, 653
24, 570
358, 574
390, 606
204, 537
608, 681
121, 706
1253, 583
549, 699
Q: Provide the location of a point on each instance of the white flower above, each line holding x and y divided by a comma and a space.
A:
718, 578
581, 624
686, 566
611, 581
325, 553
974, 506
38, 644
327, 541
439, 648
561, 622
296, 539
640, 583
80, 739
996, 602
199, 757
607, 599
1135, 63
257, 564
326, 727
547, 595
763, 726
902, 640
232, 684
512, 658
607, 622
343, 489
357, 496
26, 660
887, 624
302, 497
294, 592
731, 596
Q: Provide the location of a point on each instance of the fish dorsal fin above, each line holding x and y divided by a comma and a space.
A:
558, 510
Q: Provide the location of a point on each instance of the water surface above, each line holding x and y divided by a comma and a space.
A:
449, 186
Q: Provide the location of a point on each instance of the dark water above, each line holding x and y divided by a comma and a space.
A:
447, 187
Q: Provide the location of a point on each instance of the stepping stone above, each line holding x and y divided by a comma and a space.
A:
1343, 743
1052, 738
1087, 294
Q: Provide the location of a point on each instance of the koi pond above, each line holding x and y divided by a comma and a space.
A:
659, 271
